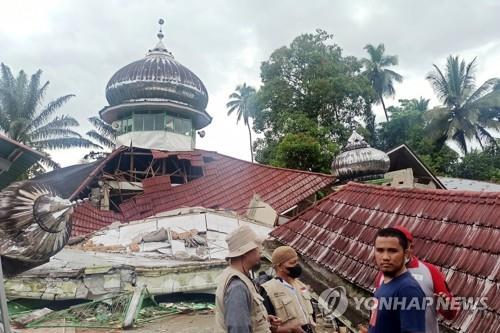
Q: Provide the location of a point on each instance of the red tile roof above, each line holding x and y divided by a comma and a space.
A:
230, 183
227, 183
87, 219
458, 231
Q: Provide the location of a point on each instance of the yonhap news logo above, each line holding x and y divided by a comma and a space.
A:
333, 301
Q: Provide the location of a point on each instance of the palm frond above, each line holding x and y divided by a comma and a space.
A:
389, 60
421, 104
490, 104
388, 89
49, 162
375, 53
484, 135
53, 133
232, 109
52, 107
103, 128
460, 139
20, 91
483, 90
10, 104
34, 95
104, 141
469, 76
393, 75
439, 84
63, 143
235, 95
63, 121
233, 103
436, 122
8, 80
240, 113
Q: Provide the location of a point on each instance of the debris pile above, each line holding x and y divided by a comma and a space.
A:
164, 241
126, 310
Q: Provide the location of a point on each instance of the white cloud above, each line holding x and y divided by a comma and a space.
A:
79, 44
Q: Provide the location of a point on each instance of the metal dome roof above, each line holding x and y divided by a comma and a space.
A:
359, 160
156, 77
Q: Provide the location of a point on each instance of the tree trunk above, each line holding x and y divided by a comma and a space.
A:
383, 105
250, 135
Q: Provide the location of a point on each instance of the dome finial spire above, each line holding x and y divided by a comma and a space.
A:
160, 47
160, 33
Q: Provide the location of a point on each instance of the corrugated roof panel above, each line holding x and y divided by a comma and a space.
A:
20, 158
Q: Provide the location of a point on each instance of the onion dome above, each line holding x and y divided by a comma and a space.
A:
157, 77
359, 161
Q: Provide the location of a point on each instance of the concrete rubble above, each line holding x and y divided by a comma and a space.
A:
180, 251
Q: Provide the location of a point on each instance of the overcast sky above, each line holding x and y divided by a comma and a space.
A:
80, 44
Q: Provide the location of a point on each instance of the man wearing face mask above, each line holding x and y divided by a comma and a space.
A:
238, 305
286, 297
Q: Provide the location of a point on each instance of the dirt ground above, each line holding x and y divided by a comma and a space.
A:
183, 323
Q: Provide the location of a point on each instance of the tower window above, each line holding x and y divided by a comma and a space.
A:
156, 122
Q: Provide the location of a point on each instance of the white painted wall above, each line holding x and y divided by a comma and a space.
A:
160, 140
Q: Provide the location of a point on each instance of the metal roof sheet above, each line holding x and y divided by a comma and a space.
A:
18, 157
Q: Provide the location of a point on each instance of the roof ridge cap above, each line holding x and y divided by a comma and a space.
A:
273, 167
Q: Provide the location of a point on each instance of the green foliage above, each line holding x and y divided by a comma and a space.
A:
305, 146
298, 151
480, 165
104, 136
310, 92
22, 117
407, 126
381, 78
468, 114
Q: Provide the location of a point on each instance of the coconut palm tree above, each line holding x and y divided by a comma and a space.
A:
24, 119
421, 104
240, 102
381, 78
467, 113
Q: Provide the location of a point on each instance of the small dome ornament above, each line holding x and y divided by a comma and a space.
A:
160, 48
359, 161
160, 33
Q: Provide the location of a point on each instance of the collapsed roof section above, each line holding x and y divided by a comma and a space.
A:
132, 183
457, 231
15, 159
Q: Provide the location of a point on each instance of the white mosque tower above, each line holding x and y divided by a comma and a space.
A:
156, 102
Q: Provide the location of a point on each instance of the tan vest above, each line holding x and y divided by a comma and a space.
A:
285, 303
259, 313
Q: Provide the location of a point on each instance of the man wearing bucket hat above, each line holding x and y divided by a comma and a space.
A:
238, 305
286, 297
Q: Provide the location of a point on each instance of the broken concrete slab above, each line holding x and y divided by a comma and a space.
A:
134, 307
23, 320
77, 274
